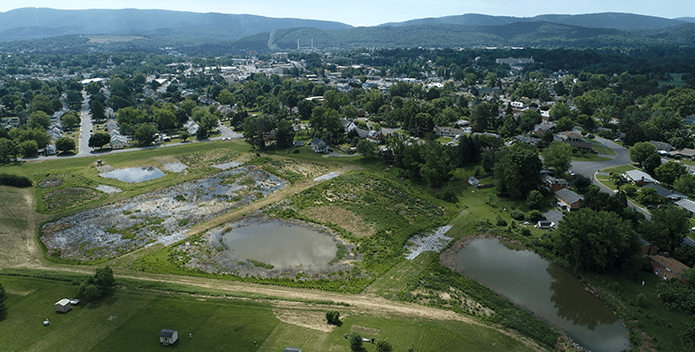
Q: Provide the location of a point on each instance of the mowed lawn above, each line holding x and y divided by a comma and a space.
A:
127, 320
130, 320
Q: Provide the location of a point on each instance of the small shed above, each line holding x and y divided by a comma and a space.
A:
63, 306
473, 181
168, 337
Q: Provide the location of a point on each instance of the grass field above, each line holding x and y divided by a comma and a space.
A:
602, 149
130, 320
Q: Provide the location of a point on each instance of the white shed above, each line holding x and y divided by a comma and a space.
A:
168, 337
63, 306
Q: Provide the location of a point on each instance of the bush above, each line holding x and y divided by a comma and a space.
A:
383, 346
448, 194
642, 300
501, 222
15, 180
535, 216
534, 199
296, 151
333, 317
355, 341
517, 215
525, 231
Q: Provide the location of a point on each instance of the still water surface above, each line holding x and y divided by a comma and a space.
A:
134, 174
546, 290
281, 244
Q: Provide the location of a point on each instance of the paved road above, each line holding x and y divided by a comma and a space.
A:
228, 133
85, 127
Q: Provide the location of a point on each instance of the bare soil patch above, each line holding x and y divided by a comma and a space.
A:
315, 320
51, 182
365, 330
345, 218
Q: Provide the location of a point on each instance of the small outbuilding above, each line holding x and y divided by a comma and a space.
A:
63, 306
168, 337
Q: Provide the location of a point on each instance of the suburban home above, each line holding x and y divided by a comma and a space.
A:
119, 141
639, 178
575, 139
375, 136
671, 196
647, 248
668, 268
12, 121
686, 204
687, 153
168, 337
529, 140
540, 129
448, 131
63, 306
554, 184
319, 145
689, 120
567, 200
662, 146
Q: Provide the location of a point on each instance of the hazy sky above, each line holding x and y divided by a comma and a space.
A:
373, 12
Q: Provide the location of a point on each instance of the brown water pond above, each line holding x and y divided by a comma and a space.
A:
544, 289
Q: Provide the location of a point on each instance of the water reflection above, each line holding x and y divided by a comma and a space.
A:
135, 174
574, 304
544, 289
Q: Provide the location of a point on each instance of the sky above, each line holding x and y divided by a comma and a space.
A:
374, 12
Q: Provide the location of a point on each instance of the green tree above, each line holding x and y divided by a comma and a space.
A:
651, 163
29, 148
39, 119
184, 135
284, 135
104, 278
333, 317
145, 134
518, 170
534, 199
558, 156
97, 110
439, 163
65, 144
100, 139
668, 227
594, 241
669, 172
70, 119
648, 196
355, 341
383, 346
88, 292
685, 184
366, 148
8, 150
641, 151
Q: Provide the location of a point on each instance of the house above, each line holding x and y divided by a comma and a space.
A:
647, 248
63, 306
473, 181
375, 136
540, 129
168, 337
639, 178
319, 145
686, 204
668, 268
662, 146
687, 153
119, 142
689, 120
292, 349
575, 139
554, 184
671, 196
567, 200
448, 131
529, 140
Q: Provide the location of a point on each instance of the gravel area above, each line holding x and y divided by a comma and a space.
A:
108, 189
226, 166
175, 167
327, 176
161, 216
434, 242
105, 168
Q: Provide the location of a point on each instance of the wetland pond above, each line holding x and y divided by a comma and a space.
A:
544, 289
134, 174
282, 244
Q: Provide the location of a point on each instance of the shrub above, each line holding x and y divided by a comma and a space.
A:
517, 215
296, 151
15, 180
525, 231
333, 317
500, 221
355, 341
642, 300
535, 216
534, 199
180, 198
383, 346
448, 194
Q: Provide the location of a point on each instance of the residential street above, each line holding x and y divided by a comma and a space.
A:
85, 127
